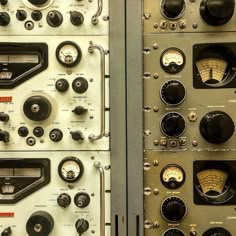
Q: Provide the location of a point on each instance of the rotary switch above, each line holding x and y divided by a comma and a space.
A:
64, 200
81, 226
4, 117
82, 200
4, 136
54, 18
37, 2
173, 92
173, 209
4, 19
217, 12
76, 18
173, 124
80, 85
37, 108
62, 85
6, 232
216, 127
217, 232
173, 232
79, 110
77, 135
173, 9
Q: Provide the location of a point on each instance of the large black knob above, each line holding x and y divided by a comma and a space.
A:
173, 232
76, 18
37, 2
40, 223
82, 200
216, 127
173, 209
64, 200
173, 8
54, 18
173, 124
81, 226
37, 108
217, 232
4, 18
80, 85
217, 12
62, 85
4, 136
3, 2
173, 92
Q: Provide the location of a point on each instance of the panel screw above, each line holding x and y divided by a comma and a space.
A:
155, 25
194, 143
156, 142
155, 76
147, 16
155, 109
156, 191
155, 162
155, 46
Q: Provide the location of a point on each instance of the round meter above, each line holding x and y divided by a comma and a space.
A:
172, 60
68, 54
70, 169
172, 176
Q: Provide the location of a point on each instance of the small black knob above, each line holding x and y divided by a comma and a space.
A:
217, 127
3, 2
4, 136
173, 124
37, 2
4, 117
173, 92
174, 232
82, 200
217, 12
173, 209
37, 108
64, 200
218, 231
38, 131
80, 85
36, 15
76, 18
23, 131
6, 232
4, 18
173, 8
62, 85
54, 18
21, 15
81, 226
79, 110
56, 135
77, 135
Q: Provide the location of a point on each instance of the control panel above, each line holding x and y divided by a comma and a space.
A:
189, 119
54, 118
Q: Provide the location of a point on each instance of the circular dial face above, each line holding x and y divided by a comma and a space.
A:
172, 176
172, 60
70, 169
68, 54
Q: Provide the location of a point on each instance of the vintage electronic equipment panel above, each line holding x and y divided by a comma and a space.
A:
55, 158
189, 88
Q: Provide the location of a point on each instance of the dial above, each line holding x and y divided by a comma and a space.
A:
70, 169
172, 176
172, 60
173, 232
218, 231
173, 9
68, 54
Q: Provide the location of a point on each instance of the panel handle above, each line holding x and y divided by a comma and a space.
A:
98, 13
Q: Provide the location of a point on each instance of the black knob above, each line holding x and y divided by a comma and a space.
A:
36, 15
4, 136
6, 232
81, 226
37, 108
56, 135
173, 92
174, 232
38, 131
173, 124
62, 85
76, 18
40, 223
3, 2
4, 18
217, 12
21, 15
79, 110
173, 209
77, 135
4, 117
80, 85
82, 200
217, 232
216, 127
37, 2
54, 18
64, 200
173, 8
23, 131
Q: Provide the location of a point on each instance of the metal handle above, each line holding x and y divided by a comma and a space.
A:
93, 137
98, 13
98, 165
